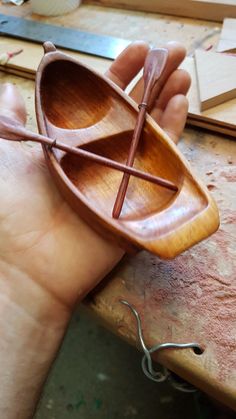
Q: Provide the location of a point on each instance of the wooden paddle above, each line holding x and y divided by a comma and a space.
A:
11, 130
153, 68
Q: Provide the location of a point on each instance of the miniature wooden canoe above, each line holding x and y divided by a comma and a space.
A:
84, 109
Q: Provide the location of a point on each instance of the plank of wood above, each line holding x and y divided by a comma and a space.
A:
216, 76
211, 127
221, 116
213, 10
227, 42
27, 62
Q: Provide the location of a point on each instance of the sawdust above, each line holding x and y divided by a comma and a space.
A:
192, 294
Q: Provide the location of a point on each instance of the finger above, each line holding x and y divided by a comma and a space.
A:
178, 83
128, 64
176, 54
174, 117
12, 103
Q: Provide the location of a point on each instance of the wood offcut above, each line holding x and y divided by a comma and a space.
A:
227, 42
216, 75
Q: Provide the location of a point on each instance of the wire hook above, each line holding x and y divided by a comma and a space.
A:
147, 363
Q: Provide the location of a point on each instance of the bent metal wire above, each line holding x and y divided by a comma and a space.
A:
147, 363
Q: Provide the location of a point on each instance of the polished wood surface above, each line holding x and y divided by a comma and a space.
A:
192, 297
76, 105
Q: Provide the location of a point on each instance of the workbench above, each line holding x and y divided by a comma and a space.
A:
191, 298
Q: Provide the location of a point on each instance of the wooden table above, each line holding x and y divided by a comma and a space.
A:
192, 298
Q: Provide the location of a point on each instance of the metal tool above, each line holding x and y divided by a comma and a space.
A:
71, 39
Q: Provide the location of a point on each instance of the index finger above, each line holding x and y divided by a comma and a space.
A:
127, 65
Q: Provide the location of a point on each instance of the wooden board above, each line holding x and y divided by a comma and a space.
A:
215, 10
227, 42
216, 77
219, 118
210, 127
27, 62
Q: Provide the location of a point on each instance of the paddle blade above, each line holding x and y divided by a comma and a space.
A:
154, 66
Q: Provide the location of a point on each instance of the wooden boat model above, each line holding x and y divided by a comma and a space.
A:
83, 109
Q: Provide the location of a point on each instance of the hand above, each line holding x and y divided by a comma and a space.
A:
45, 248
50, 258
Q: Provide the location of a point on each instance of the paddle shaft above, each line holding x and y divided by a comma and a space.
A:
130, 161
153, 68
17, 133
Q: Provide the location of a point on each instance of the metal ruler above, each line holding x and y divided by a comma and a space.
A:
71, 39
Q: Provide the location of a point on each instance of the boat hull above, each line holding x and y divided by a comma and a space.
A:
100, 119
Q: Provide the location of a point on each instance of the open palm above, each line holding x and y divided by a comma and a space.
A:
44, 246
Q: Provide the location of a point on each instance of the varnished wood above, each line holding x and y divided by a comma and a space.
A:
76, 104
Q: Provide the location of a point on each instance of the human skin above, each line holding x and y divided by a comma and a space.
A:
47, 252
